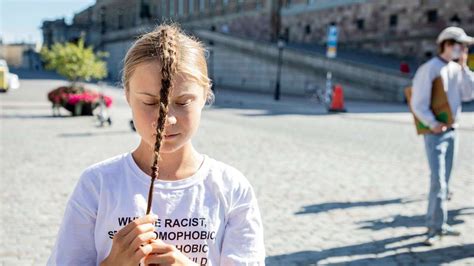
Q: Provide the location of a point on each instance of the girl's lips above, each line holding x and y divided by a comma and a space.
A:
170, 136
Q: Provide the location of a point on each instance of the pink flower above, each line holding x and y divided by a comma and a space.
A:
108, 101
74, 98
71, 96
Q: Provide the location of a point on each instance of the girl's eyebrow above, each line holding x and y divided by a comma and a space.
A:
185, 95
147, 93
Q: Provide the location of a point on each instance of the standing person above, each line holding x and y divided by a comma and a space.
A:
202, 211
404, 67
441, 143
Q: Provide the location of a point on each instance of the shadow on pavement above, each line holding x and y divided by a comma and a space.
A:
430, 257
413, 221
411, 257
93, 134
32, 116
328, 206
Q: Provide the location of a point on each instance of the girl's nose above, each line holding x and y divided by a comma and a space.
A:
171, 119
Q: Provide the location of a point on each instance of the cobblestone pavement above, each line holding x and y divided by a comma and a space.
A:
333, 189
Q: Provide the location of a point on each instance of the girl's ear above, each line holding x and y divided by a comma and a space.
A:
127, 96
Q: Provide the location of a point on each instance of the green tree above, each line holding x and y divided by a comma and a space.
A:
75, 61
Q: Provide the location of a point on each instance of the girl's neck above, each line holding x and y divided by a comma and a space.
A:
178, 165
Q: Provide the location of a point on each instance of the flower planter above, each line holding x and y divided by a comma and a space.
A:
78, 109
78, 101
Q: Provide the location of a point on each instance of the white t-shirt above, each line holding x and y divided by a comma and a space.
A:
212, 216
458, 82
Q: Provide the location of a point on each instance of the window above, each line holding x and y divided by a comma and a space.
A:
286, 34
163, 8
360, 24
288, 3
429, 2
307, 29
120, 19
202, 5
310, 2
180, 8
145, 9
103, 22
432, 16
393, 21
191, 7
171, 8
455, 20
212, 4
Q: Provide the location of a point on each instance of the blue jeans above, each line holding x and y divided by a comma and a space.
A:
441, 152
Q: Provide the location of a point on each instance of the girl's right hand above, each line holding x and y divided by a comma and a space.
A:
132, 243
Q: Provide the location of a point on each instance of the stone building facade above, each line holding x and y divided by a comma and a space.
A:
398, 27
59, 31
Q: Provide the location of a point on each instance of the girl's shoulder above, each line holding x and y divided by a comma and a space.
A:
227, 175
110, 163
110, 166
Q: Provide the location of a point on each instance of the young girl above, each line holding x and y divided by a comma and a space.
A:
200, 211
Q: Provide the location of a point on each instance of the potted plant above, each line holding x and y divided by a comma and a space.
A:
76, 63
78, 100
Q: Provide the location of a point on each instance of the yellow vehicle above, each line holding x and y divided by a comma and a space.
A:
4, 73
470, 60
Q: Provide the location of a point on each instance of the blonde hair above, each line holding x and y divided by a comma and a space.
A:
178, 54
187, 51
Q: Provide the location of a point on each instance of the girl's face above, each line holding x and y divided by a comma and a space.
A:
184, 110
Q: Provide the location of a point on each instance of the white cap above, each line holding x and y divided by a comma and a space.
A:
455, 33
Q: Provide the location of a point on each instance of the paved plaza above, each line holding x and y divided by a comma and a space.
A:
344, 189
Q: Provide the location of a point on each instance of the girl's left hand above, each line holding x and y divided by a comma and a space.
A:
166, 255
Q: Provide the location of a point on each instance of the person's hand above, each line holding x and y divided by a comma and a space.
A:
463, 57
440, 128
166, 255
133, 242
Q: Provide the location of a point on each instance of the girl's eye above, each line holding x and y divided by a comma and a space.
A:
184, 103
150, 103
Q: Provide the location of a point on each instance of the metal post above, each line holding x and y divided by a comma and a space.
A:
281, 44
211, 64
328, 91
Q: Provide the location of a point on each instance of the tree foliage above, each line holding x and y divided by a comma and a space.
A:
75, 61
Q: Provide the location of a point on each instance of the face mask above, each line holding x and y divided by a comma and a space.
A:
456, 52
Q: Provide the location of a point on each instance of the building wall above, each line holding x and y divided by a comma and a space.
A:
13, 53
401, 27
117, 50
252, 66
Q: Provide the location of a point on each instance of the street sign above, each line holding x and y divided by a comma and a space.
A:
332, 42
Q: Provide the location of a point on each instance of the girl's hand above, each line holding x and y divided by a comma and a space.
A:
166, 255
132, 243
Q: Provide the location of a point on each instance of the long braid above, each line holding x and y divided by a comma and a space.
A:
165, 47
